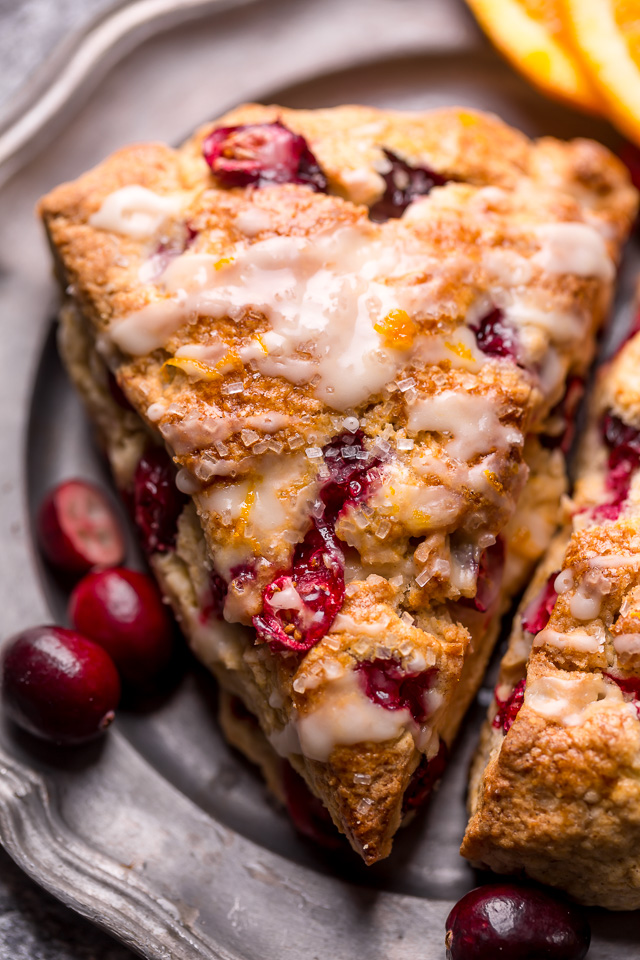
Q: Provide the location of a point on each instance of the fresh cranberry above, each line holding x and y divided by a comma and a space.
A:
490, 571
157, 501
496, 337
565, 411
424, 779
58, 685
509, 709
262, 154
388, 685
212, 604
78, 528
298, 609
309, 815
535, 615
122, 610
403, 184
508, 922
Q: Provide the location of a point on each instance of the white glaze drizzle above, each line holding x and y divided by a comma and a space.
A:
575, 248
135, 211
471, 421
570, 699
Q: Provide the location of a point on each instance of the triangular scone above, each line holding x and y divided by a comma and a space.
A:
342, 324
555, 788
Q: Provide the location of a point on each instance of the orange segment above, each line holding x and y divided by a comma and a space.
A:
532, 34
607, 35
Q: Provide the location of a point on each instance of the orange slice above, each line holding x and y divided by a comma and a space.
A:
532, 34
607, 37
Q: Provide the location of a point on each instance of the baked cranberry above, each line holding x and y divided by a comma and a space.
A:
630, 687
212, 604
262, 154
299, 608
309, 815
515, 923
489, 579
424, 779
58, 684
157, 501
565, 413
509, 709
535, 615
122, 610
352, 473
78, 528
623, 442
404, 183
391, 687
495, 336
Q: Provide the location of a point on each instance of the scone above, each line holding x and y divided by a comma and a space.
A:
351, 331
555, 788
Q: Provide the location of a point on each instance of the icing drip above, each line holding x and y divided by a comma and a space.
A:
135, 212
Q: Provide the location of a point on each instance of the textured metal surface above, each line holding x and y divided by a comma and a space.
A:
160, 833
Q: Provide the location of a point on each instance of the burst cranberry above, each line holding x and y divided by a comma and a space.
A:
157, 501
388, 685
262, 154
509, 709
535, 615
565, 412
299, 609
424, 779
123, 612
309, 815
623, 442
630, 686
59, 685
496, 337
78, 528
490, 571
212, 604
352, 472
404, 183
515, 923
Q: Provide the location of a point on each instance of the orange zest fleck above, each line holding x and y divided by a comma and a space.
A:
397, 329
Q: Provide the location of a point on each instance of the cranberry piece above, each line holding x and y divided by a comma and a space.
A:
424, 779
388, 685
623, 442
509, 709
78, 528
403, 184
58, 685
630, 686
535, 615
515, 923
123, 612
565, 411
495, 337
299, 609
213, 604
262, 154
157, 501
309, 815
490, 570
352, 472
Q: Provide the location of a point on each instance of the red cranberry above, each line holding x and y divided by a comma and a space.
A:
630, 687
58, 685
123, 612
262, 154
78, 528
535, 615
403, 184
352, 472
490, 571
316, 586
157, 501
565, 411
424, 779
212, 605
509, 709
496, 337
623, 442
515, 923
388, 685
309, 815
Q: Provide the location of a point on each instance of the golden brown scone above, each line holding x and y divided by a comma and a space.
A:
342, 325
555, 786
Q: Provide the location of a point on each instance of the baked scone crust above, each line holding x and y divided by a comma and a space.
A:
531, 230
558, 795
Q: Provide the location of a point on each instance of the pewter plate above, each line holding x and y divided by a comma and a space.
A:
161, 834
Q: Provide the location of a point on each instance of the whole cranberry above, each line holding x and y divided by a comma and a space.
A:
58, 684
123, 612
309, 815
515, 923
78, 528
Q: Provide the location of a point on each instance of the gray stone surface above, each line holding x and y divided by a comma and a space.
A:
30, 30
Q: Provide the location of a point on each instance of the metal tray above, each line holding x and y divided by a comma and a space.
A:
160, 833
